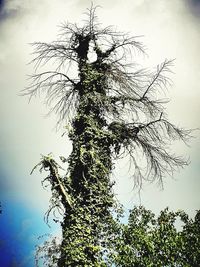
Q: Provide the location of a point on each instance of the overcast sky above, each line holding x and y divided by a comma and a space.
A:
170, 29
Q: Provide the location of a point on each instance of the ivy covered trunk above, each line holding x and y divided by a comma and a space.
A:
90, 167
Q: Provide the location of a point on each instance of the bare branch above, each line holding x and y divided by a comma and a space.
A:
159, 79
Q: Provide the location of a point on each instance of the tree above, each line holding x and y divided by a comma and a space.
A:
149, 241
112, 110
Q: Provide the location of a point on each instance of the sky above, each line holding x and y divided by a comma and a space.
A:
169, 29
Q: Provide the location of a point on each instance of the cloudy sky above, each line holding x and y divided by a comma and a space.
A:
170, 29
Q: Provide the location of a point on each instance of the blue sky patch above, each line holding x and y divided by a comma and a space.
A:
20, 228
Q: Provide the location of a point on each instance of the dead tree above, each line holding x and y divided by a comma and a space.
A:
114, 111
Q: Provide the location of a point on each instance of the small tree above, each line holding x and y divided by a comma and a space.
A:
112, 110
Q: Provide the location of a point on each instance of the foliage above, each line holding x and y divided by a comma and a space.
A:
112, 110
48, 252
150, 241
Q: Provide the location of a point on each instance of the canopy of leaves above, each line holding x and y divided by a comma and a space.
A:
150, 241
